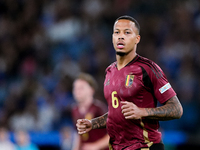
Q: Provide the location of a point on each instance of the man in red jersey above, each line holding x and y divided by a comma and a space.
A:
87, 107
132, 87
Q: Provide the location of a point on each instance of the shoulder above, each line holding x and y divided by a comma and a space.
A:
146, 62
111, 66
150, 66
99, 105
74, 107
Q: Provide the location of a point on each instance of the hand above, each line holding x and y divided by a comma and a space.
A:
131, 111
90, 146
83, 126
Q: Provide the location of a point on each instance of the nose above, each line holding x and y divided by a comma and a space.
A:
120, 38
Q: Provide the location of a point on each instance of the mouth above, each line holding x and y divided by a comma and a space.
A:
120, 45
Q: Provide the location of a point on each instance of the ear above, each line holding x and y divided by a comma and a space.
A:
137, 39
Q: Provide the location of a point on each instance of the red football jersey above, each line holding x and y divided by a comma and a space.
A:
97, 109
143, 83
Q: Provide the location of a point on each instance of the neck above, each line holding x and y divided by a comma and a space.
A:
122, 61
84, 105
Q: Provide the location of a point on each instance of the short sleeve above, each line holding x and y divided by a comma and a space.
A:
162, 89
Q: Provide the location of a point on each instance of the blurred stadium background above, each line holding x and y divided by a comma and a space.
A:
45, 43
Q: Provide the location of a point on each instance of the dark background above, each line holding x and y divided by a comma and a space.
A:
44, 44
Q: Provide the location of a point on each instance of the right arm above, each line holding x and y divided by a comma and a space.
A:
100, 122
85, 125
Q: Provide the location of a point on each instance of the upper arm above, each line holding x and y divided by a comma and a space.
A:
155, 80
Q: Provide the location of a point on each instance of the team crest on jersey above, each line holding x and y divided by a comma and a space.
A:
129, 80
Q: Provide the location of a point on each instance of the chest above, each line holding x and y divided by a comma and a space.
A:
125, 84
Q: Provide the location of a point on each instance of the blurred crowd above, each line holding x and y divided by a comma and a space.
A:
22, 141
44, 44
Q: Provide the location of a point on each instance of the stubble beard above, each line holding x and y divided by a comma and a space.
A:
122, 53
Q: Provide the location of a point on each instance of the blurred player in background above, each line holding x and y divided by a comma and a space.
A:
23, 141
67, 138
5, 142
87, 107
132, 87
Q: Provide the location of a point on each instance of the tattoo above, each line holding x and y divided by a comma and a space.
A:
100, 122
172, 109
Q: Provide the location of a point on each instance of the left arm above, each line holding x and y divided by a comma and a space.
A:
171, 109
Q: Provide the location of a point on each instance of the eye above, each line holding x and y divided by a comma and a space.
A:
127, 32
116, 32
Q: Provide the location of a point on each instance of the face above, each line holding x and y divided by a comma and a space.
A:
125, 36
22, 137
82, 90
3, 134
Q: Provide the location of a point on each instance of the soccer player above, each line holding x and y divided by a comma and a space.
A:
132, 87
87, 107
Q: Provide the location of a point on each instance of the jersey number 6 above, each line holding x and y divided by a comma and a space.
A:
115, 101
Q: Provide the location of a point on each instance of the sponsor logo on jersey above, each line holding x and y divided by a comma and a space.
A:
108, 82
165, 88
129, 80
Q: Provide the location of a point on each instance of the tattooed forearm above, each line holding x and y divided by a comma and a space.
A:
171, 110
99, 122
